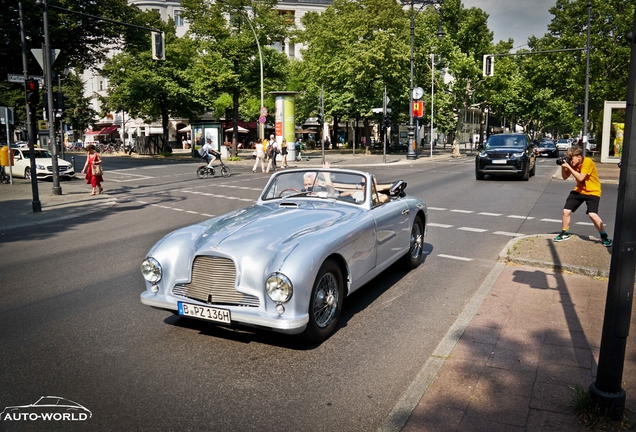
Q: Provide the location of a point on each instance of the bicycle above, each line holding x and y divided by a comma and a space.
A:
203, 171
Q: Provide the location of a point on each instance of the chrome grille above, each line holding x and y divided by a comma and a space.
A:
212, 282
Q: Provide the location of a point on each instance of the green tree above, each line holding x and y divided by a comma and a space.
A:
153, 89
355, 49
227, 61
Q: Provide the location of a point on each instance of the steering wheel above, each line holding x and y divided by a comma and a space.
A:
288, 189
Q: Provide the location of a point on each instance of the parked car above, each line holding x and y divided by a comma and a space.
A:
563, 144
546, 147
506, 154
43, 164
288, 262
591, 145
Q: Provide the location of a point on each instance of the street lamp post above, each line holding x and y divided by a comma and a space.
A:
412, 150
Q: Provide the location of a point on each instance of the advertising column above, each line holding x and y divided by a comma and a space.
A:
285, 121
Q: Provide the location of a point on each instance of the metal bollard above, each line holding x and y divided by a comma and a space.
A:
73, 162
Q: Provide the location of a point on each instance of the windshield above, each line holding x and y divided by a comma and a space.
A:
318, 184
497, 141
40, 154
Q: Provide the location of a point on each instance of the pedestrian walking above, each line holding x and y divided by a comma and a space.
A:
265, 144
259, 153
93, 170
283, 152
272, 151
587, 190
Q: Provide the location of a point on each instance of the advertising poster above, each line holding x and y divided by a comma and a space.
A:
289, 119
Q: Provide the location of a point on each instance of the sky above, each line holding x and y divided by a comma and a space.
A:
517, 19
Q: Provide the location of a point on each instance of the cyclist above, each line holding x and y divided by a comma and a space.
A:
208, 153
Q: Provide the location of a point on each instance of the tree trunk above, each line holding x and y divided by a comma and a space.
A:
165, 123
367, 134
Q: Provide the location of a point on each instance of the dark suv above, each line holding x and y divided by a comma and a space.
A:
506, 154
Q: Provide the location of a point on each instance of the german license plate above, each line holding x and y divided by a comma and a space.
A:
205, 312
499, 161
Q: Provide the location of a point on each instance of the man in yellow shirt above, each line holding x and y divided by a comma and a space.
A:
587, 190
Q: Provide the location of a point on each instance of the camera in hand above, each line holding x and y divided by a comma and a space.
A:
562, 160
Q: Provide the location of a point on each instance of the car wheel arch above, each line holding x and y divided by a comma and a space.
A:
344, 269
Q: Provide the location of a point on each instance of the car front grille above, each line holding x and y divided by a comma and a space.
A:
213, 280
499, 156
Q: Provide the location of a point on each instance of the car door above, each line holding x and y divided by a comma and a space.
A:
393, 228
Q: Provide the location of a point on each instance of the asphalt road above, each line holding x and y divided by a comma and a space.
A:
72, 325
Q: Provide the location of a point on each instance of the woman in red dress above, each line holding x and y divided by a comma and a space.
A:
93, 158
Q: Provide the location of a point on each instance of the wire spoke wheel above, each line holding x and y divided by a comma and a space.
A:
326, 300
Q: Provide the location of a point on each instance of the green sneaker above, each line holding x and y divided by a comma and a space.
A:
607, 242
562, 237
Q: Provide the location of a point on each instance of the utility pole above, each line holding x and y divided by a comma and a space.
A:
322, 116
606, 391
36, 205
587, 78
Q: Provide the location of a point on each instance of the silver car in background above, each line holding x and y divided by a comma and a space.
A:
288, 262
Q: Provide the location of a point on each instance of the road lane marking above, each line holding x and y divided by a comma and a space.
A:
472, 229
458, 258
439, 225
437, 208
550, 220
490, 214
509, 234
520, 217
462, 211
584, 223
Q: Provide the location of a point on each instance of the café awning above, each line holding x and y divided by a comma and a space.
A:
104, 131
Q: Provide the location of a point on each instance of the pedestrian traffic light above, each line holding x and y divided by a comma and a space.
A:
32, 92
158, 42
386, 121
488, 65
60, 104
321, 119
578, 109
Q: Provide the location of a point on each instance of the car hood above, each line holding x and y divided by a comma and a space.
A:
273, 226
49, 162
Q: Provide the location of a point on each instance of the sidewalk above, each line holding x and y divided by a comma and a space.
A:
532, 341
510, 362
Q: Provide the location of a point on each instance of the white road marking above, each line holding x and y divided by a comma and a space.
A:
219, 196
520, 217
490, 214
455, 257
584, 223
437, 208
550, 220
472, 229
462, 211
504, 233
439, 225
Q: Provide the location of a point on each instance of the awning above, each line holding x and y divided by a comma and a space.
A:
105, 131
185, 129
240, 130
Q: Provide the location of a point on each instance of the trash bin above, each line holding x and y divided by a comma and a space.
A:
4, 156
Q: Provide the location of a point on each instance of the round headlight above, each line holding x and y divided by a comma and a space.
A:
483, 154
151, 269
279, 288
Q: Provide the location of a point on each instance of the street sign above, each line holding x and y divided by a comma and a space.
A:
262, 119
19, 78
37, 53
263, 112
42, 125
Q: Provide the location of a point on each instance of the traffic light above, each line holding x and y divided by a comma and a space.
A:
578, 109
158, 42
386, 121
60, 104
321, 119
32, 92
488, 65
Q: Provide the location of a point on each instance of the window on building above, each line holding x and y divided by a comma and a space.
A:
292, 50
101, 85
178, 19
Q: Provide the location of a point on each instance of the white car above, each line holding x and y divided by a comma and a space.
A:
563, 144
43, 164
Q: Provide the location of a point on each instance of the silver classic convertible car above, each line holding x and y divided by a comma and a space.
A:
288, 262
